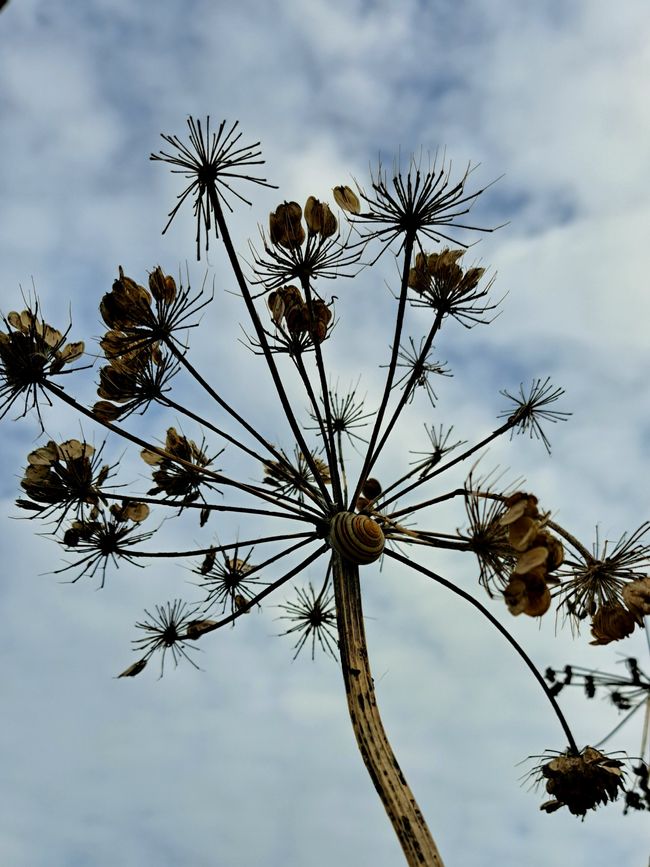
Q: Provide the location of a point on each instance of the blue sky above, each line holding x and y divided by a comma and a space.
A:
252, 759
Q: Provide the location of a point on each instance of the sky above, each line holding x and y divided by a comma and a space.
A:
251, 759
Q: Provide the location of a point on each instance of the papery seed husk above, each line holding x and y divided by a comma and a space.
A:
72, 351
522, 532
134, 669
103, 410
530, 559
45, 455
636, 595
347, 199
72, 450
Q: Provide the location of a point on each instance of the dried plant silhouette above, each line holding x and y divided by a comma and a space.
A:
329, 522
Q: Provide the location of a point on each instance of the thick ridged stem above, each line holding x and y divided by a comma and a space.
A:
396, 796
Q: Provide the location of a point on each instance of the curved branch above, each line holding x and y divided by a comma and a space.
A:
522, 653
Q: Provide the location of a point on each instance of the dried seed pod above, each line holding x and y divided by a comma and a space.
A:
329, 222
519, 504
357, 538
636, 596
347, 199
314, 214
611, 622
320, 220
162, 286
515, 596
285, 227
276, 306
538, 602
297, 319
208, 561
554, 547
530, 560
522, 532
134, 669
105, 411
321, 316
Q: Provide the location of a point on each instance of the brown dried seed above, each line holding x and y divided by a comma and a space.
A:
347, 199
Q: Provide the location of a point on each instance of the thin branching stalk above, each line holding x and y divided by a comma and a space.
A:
266, 350
392, 365
484, 611
440, 469
328, 436
206, 507
210, 626
243, 543
406, 393
224, 405
122, 432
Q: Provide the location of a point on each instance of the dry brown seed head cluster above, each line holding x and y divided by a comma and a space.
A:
177, 480
30, 352
319, 218
443, 270
63, 473
581, 782
538, 554
137, 368
287, 304
285, 226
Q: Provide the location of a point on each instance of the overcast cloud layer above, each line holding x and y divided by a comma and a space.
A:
252, 761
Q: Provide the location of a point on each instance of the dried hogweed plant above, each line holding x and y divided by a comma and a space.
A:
330, 522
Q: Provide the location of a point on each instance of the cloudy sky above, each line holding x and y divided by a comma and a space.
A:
251, 760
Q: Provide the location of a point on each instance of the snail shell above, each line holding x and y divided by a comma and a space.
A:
356, 537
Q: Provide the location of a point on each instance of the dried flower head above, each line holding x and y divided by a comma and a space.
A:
139, 319
313, 617
165, 631
581, 782
418, 370
302, 252
294, 317
488, 538
346, 412
419, 204
211, 164
64, 476
228, 581
531, 410
31, 352
438, 438
440, 283
184, 480
296, 479
104, 537
596, 580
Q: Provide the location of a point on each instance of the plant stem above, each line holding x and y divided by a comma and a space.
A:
396, 796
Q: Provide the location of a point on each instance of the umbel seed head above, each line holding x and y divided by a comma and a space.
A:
357, 538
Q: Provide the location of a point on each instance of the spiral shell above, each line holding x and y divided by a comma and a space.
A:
356, 537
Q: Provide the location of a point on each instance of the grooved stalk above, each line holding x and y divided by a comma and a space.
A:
403, 811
